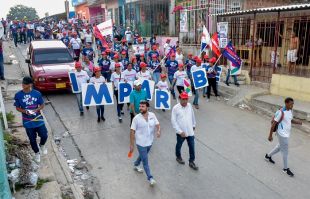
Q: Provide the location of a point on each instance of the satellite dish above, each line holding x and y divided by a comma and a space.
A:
1, 30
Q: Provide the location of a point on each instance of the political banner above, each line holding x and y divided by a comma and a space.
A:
74, 84
106, 28
124, 90
235, 70
97, 94
200, 79
183, 21
162, 99
222, 29
219, 70
138, 49
188, 87
148, 86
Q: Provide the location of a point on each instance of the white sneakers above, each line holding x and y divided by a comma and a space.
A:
152, 182
138, 169
37, 157
43, 150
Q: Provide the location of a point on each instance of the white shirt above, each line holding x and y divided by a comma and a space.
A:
180, 76
284, 127
167, 48
179, 58
116, 78
144, 130
82, 78
112, 65
144, 75
129, 76
183, 119
88, 37
128, 34
94, 80
76, 43
195, 67
162, 85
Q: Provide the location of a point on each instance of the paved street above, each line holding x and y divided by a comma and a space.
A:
230, 146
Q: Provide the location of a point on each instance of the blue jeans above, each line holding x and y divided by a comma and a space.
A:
156, 76
106, 75
79, 101
196, 97
228, 77
143, 156
1, 66
100, 110
191, 145
170, 77
32, 135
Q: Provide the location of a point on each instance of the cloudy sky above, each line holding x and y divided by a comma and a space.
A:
42, 6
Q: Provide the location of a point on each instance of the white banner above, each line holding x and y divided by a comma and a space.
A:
183, 21
97, 94
106, 28
222, 29
138, 49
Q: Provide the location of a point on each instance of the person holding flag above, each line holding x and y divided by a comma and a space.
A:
172, 66
211, 75
195, 67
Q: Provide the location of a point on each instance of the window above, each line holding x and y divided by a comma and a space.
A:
267, 32
52, 56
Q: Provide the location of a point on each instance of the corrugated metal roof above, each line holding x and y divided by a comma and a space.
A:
268, 9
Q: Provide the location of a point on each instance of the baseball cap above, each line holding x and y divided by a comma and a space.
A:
117, 65
198, 60
137, 82
163, 75
212, 60
78, 65
27, 80
205, 56
184, 95
142, 64
96, 69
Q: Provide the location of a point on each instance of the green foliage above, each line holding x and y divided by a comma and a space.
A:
40, 183
20, 12
10, 116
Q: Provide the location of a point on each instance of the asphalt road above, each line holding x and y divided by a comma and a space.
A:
230, 148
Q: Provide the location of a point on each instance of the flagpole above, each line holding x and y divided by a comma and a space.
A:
218, 59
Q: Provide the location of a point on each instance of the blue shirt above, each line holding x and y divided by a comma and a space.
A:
151, 53
172, 67
213, 71
30, 101
65, 40
125, 62
104, 64
136, 67
136, 97
155, 64
89, 52
189, 63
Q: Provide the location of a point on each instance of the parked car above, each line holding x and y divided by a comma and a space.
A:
49, 62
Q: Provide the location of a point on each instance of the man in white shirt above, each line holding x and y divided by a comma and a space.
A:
184, 122
75, 44
142, 132
167, 46
128, 35
82, 78
281, 124
88, 36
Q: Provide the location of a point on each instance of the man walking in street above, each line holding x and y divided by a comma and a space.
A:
82, 78
281, 124
184, 122
136, 96
29, 102
142, 132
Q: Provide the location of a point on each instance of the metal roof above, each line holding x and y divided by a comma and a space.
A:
48, 44
268, 9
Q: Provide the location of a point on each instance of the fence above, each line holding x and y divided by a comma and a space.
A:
5, 192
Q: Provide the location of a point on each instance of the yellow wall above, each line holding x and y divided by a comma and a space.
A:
290, 86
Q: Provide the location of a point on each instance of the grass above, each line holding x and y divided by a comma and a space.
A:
10, 116
41, 182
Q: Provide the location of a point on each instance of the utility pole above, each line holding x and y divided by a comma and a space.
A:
67, 9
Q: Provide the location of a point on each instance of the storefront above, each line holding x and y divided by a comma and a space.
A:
148, 16
82, 11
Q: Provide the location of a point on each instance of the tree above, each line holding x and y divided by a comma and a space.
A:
20, 12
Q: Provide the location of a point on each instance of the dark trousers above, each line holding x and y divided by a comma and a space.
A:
100, 110
180, 89
119, 107
32, 135
212, 83
106, 75
15, 38
23, 37
191, 145
77, 53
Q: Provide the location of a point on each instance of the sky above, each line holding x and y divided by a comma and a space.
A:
41, 6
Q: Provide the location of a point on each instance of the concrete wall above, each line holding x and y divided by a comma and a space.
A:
290, 86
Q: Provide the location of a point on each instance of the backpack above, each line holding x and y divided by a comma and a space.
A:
276, 126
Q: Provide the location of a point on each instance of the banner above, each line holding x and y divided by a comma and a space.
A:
222, 29
230, 53
162, 99
106, 28
183, 21
200, 79
97, 94
219, 70
138, 49
215, 44
205, 39
234, 70
124, 90
187, 87
148, 86
74, 83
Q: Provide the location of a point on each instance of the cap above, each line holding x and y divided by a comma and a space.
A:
181, 65
142, 64
154, 56
154, 47
115, 56
124, 40
168, 39
198, 61
212, 60
78, 65
142, 55
134, 58
117, 65
27, 80
123, 52
96, 69
206, 56
137, 82
163, 75
184, 95
103, 53
172, 55
190, 54
108, 50
196, 57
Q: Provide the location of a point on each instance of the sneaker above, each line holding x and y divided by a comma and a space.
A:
163, 110
120, 120
193, 166
138, 169
87, 107
218, 98
288, 172
196, 106
102, 118
227, 83
268, 158
237, 84
37, 158
81, 113
122, 112
180, 161
152, 182
98, 120
43, 150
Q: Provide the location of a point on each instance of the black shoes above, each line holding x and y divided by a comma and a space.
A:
98, 120
227, 83
193, 166
180, 161
288, 172
102, 118
267, 158
87, 107
81, 113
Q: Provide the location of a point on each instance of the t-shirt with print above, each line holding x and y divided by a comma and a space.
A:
284, 127
129, 76
172, 67
116, 78
30, 101
105, 64
99, 80
136, 97
180, 76
89, 52
81, 77
144, 75
162, 85
76, 43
